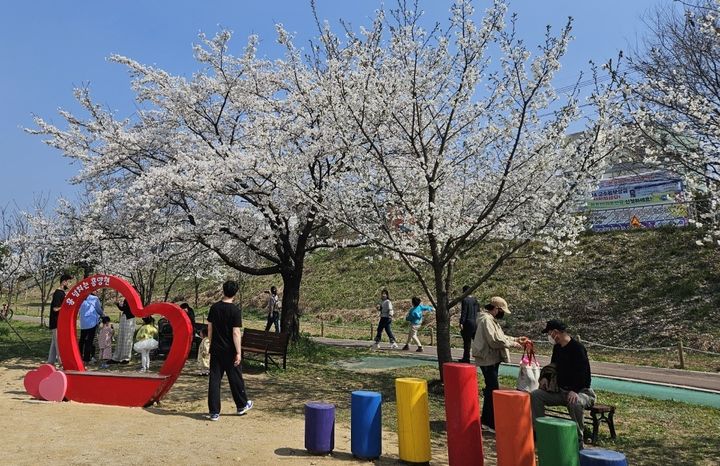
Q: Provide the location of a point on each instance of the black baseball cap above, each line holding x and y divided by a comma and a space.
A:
554, 324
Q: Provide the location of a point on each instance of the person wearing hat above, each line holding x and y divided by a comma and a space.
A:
490, 348
573, 377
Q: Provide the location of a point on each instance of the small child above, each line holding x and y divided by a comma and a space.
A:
415, 317
203, 357
105, 337
146, 341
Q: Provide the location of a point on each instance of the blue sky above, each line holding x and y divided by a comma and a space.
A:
49, 47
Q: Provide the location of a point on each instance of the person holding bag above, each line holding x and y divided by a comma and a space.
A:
490, 348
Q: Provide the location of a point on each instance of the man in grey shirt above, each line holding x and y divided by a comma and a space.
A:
386, 315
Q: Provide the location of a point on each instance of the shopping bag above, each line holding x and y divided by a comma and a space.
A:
529, 376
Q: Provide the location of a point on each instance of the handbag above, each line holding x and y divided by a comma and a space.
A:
529, 376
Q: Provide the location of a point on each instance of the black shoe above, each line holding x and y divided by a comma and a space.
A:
112, 361
419, 350
466, 361
127, 361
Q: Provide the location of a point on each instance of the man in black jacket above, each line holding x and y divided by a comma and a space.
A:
468, 317
573, 377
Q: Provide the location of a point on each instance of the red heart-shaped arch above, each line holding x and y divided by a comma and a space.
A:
119, 388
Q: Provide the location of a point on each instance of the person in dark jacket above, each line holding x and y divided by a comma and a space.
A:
468, 316
573, 377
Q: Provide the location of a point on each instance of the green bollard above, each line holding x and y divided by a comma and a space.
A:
557, 442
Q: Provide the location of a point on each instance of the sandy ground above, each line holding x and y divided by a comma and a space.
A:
175, 432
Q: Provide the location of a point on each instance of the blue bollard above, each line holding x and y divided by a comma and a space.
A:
319, 428
366, 424
599, 457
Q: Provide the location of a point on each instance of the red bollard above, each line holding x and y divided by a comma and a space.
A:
462, 412
513, 428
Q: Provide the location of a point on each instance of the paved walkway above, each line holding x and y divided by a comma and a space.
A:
674, 377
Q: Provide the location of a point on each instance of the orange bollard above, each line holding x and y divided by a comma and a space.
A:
462, 413
513, 428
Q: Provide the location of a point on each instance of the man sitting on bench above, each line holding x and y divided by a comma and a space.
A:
573, 378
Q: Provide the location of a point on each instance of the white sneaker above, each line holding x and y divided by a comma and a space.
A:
488, 429
248, 406
394, 346
375, 346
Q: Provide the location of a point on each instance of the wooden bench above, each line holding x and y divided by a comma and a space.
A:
268, 344
597, 414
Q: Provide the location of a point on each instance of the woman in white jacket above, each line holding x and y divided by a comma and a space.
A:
490, 348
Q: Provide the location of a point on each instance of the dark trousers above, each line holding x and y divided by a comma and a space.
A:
224, 364
87, 343
273, 318
384, 324
468, 333
490, 374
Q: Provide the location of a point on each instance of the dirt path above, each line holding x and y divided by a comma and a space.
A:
175, 433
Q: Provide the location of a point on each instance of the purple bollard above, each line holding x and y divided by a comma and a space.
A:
319, 428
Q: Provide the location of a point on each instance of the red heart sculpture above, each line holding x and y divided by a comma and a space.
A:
54, 386
122, 389
33, 378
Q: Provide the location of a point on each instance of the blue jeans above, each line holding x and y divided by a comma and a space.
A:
490, 374
384, 324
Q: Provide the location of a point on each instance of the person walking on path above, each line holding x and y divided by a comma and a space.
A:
415, 317
126, 330
55, 305
273, 305
468, 316
90, 314
386, 315
490, 348
225, 334
572, 368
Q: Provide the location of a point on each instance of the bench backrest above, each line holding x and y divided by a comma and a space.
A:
274, 342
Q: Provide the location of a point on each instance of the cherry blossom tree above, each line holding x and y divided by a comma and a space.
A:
217, 159
38, 249
458, 138
675, 106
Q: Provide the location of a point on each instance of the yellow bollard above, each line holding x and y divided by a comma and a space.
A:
413, 418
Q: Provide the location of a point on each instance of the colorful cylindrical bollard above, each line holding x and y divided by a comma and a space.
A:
366, 424
513, 428
319, 427
557, 442
600, 457
413, 418
462, 413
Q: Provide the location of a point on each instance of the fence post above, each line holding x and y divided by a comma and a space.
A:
322, 328
371, 331
432, 340
682, 356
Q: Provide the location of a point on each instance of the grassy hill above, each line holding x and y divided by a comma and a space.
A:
630, 289
634, 288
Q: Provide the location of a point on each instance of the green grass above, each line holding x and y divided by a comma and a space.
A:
38, 338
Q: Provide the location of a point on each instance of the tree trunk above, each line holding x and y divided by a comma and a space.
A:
442, 320
196, 284
290, 315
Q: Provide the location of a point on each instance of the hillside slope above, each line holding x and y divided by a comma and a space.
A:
633, 288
